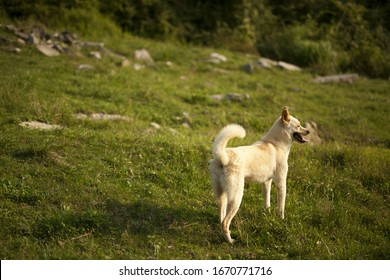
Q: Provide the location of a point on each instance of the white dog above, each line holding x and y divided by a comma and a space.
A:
263, 162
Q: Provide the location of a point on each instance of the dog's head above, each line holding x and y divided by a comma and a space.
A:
293, 127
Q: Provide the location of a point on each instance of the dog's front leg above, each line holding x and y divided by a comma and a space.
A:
267, 194
281, 198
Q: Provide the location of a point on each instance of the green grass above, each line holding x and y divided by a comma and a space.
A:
122, 190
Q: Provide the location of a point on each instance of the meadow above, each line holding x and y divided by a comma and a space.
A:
125, 189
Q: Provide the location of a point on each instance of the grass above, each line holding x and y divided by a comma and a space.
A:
123, 190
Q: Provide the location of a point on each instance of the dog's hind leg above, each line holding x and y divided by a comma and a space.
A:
267, 194
221, 201
219, 193
234, 201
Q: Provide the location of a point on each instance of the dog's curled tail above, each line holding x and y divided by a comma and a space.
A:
228, 132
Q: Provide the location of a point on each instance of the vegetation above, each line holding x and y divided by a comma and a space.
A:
103, 189
328, 36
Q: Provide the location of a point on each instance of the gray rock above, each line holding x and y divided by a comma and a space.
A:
47, 50
86, 67
143, 55
230, 97
266, 63
288, 66
95, 54
248, 68
313, 137
343, 78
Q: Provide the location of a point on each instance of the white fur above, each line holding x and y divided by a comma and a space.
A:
264, 161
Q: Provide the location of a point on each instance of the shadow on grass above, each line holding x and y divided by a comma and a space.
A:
114, 218
145, 218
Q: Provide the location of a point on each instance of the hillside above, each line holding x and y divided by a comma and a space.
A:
123, 174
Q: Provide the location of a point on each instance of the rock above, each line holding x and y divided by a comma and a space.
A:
261, 63
219, 57
214, 58
40, 125
47, 50
15, 50
108, 117
137, 66
343, 78
143, 55
125, 63
22, 35
155, 125
186, 125
266, 63
11, 28
97, 45
101, 116
67, 37
37, 36
86, 67
173, 131
230, 97
95, 54
313, 137
248, 68
113, 55
288, 66
59, 48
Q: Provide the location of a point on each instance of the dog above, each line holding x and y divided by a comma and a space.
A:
264, 161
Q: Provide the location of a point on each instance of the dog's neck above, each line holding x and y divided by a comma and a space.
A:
278, 137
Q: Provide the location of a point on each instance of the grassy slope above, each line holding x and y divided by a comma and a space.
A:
119, 190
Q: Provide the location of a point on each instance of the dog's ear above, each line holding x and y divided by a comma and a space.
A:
285, 116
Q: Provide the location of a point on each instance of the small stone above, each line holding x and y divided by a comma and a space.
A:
15, 50
95, 54
86, 67
143, 55
230, 97
155, 125
125, 63
219, 57
137, 66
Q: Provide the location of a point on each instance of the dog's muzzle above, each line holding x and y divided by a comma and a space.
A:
299, 138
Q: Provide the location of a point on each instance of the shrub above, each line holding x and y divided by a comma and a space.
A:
297, 44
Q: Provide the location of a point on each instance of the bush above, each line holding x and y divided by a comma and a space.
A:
82, 17
370, 60
297, 44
